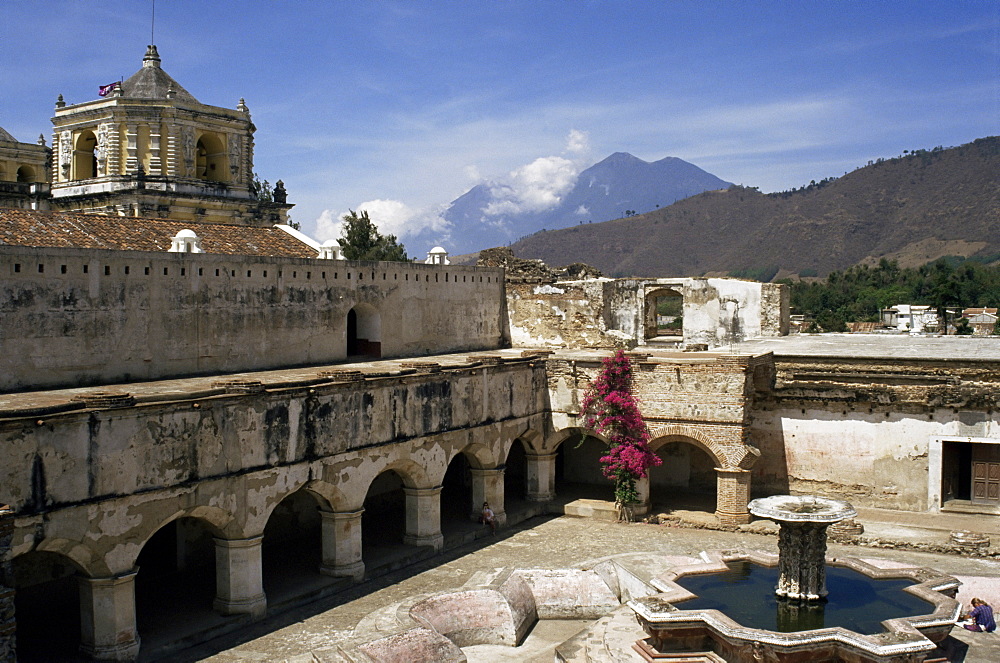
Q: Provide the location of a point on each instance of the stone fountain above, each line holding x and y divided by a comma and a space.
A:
802, 522
733, 607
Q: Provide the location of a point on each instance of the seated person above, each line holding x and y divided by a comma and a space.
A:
981, 616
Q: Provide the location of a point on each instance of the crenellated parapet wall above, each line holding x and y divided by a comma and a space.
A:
81, 316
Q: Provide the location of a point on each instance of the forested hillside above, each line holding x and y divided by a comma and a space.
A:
913, 209
860, 292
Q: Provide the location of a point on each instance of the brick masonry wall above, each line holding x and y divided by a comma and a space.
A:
7, 623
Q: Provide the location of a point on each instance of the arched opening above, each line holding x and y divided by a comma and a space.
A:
364, 332
665, 316
578, 467
210, 159
292, 548
84, 157
25, 174
47, 607
175, 585
515, 476
685, 479
457, 507
384, 521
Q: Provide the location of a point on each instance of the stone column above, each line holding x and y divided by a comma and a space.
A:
732, 495
239, 581
107, 618
541, 477
342, 544
114, 156
802, 561
642, 488
487, 486
172, 160
8, 622
423, 517
132, 148
155, 160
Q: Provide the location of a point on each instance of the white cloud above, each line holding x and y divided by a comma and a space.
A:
392, 217
535, 187
578, 143
328, 226
582, 211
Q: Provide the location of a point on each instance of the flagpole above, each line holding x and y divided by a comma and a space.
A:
152, 23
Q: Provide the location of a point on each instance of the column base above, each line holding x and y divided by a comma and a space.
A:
255, 606
355, 571
540, 497
126, 652
435, 541
733, 518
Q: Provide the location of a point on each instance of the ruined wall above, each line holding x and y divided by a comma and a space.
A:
865, 430
95, 484
606, 313
563, 314
74, 316
722, 311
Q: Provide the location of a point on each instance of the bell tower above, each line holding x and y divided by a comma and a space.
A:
147, 147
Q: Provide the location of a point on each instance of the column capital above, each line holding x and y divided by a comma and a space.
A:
542, 456
239, 543
422, 492
736, 471
341, 516
487, 471
110, 581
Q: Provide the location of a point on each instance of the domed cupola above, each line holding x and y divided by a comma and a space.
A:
147, 147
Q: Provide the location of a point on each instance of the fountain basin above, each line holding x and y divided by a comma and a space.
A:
671, 627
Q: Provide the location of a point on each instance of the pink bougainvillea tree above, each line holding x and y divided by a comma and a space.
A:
610, 409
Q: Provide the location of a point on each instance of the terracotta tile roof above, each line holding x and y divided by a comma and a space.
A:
126, 233
864, 327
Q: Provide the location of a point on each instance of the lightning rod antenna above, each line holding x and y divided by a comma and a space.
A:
152, 22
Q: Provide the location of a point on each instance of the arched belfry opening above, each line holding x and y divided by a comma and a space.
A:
665, 315
84, 156
210, 159
25, 174
364, 332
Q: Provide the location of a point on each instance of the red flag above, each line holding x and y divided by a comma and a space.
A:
105, 90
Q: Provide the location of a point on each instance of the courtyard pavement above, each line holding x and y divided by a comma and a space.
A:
303, 634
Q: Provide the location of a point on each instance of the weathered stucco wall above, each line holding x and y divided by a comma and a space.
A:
606, 313
878, 459
96, 484
865, 430
563, 314
73, 316
722, 311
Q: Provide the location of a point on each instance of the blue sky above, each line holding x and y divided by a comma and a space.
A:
401, 107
